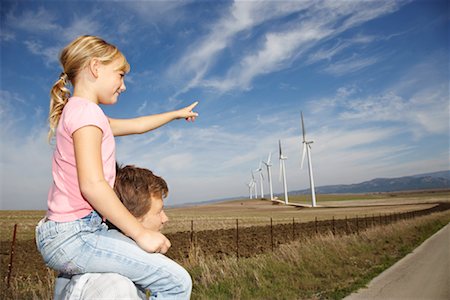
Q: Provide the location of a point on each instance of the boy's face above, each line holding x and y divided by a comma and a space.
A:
155, 218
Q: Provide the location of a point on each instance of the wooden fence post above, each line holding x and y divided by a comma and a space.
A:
293, 228
237, 239
315, 225
192, 233
357, 224
334, 227
346, 226
271, 233
11, 256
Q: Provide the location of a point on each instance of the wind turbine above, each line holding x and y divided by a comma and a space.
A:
268, 164
261, 178
307, 150
283, 172
254, 185
250, 186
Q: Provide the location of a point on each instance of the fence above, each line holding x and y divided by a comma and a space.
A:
247, 241
243, 241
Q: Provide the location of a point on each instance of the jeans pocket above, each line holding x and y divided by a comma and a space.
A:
62, 263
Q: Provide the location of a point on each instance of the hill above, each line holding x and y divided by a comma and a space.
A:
435, 180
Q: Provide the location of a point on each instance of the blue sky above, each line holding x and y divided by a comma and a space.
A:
371, 77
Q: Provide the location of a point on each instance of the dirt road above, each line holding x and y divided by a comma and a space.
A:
422, 274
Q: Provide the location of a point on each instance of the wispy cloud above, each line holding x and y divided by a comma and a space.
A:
49, 54
39, 21
276, 48
44, 23
350, 65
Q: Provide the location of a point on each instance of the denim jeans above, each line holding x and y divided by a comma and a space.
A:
87, 246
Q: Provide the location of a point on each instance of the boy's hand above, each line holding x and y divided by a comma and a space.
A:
187, 112
153, 241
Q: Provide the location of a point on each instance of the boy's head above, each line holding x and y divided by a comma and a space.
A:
142, 193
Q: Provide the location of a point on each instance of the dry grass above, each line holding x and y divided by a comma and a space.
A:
323, 267
309, 269
30, 286
223, 215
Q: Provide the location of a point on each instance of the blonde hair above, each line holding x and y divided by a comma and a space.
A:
74, 58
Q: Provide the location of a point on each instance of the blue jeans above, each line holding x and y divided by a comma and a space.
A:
86, 245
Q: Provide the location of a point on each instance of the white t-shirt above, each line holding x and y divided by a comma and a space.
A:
100, 286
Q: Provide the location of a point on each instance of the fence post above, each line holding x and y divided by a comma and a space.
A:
357, 224
237, 239
315, 225
334, 228
271, 233
11, 256
192, 233
346, 225
293, 228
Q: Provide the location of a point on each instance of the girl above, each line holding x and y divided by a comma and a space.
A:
72, 237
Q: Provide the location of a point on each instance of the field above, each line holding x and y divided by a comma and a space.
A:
240, 228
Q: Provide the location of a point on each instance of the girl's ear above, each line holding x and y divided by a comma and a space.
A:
94, 66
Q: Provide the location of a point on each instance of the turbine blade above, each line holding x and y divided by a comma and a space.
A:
268, 159
279, 147
303, 128
303, 155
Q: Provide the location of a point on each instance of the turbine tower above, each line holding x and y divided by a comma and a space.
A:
283, 172
268, 164
307, 150
261, 178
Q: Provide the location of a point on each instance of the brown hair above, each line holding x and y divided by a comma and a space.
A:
134, 186
74, 58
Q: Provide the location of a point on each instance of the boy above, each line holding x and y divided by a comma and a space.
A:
142, 193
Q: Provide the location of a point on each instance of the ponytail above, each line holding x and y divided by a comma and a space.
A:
59, 95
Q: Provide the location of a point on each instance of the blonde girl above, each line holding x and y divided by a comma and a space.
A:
73, 238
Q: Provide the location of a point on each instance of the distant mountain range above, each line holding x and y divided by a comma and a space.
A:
427, 181
435, 180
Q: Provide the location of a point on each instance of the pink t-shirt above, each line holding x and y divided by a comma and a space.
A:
65, 201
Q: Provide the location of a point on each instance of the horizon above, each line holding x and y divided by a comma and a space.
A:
242, 198
371, 79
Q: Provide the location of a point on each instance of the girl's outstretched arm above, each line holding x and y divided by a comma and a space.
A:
87, 145
143, 124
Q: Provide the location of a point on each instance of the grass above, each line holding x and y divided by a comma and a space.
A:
324, 267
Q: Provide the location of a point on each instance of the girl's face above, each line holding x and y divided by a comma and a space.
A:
110, 81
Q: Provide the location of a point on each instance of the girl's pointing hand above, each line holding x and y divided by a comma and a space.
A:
187, 112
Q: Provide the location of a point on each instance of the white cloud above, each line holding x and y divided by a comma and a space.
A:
279, 46
82, 25
25, 166
6, 36
50, 55
39, 21
350, 65
167, 12
242, 16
